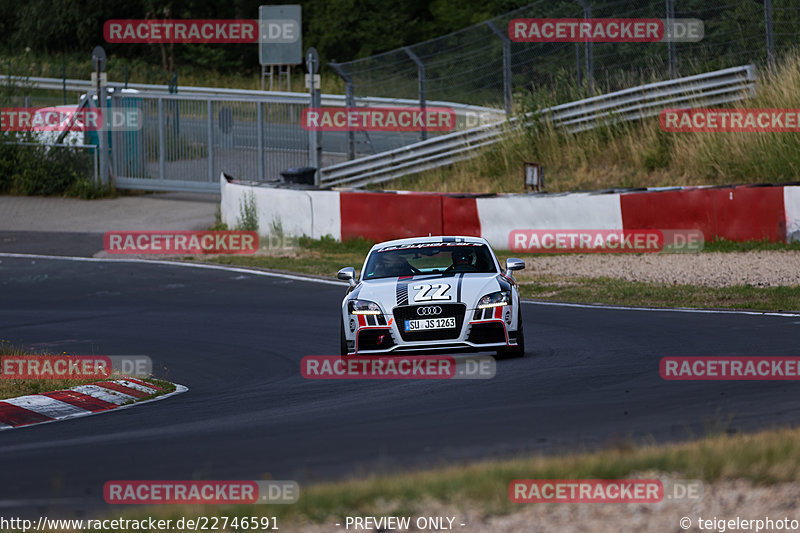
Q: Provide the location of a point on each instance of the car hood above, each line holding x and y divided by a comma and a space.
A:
465, 288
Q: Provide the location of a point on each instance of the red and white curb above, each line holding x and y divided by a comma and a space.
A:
83, 400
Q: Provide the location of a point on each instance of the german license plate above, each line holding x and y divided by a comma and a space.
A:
430, 323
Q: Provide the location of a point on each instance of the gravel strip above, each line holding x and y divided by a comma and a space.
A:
759, 268
722, 500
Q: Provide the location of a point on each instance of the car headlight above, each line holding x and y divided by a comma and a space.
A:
363, 307
496, 299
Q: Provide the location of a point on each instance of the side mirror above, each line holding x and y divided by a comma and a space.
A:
512, 264
348, 274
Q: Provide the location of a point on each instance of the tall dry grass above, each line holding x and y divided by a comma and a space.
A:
635, 154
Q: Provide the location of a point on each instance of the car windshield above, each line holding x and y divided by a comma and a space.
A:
429, 258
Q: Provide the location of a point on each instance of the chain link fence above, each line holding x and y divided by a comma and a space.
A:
480, 65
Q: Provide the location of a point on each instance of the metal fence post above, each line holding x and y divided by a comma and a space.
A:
506, 65
421, 77
349, 101
578, 63
587, 14
671, 51
315, 102
770, 35
260, 135
103, 133
210, 135
96, 164
117, 139
162, 141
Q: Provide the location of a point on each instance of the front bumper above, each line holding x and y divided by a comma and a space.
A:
486, 329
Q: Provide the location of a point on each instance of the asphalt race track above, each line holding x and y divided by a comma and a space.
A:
590, 379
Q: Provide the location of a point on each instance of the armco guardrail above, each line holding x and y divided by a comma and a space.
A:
712, 88
280, 97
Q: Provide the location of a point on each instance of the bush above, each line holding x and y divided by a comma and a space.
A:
42, 170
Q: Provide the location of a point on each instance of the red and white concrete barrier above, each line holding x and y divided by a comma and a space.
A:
299, 212
738, 213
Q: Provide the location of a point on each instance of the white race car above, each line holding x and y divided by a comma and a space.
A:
432, 294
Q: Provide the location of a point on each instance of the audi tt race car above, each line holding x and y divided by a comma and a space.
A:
432, 294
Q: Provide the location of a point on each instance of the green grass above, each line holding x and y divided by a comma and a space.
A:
722, 245
319, 257
763, 458
622, 292
324, 257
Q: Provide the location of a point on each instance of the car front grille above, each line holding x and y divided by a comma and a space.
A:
409, 312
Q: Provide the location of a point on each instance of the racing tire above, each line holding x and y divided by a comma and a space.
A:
518, 350
342, 339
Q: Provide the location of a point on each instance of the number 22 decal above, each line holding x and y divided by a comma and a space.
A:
426, 293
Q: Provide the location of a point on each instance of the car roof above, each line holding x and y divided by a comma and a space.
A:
446, 239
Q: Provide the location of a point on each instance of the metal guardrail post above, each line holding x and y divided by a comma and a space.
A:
350, 101
770, 35
507, 89
421, 77
578, 64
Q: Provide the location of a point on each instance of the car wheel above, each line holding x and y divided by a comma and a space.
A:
342, 339
519, 349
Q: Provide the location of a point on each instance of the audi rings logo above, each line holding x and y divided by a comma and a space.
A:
429, 310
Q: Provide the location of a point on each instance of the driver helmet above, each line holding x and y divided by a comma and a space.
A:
462, 257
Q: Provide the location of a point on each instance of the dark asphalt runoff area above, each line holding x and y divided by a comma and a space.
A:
590, 380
